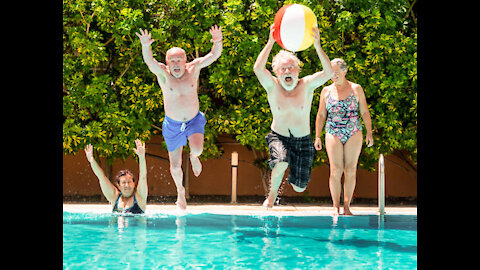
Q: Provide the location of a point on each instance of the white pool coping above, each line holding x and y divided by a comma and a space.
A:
243, 209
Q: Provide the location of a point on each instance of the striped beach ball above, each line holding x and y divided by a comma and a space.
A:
293, 27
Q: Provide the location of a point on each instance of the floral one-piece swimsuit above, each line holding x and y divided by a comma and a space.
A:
342, 117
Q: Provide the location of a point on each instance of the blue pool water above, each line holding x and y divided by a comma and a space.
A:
213, 241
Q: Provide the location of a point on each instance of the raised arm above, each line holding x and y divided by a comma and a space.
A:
321, 117
216, 51
156, 67
319, 78
108, 189
142, 188
264, 76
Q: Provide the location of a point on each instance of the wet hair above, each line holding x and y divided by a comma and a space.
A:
341, 63
285, 54
123, 173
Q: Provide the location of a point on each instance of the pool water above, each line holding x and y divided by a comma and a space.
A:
215, 241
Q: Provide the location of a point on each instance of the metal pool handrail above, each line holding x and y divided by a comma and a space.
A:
381, 185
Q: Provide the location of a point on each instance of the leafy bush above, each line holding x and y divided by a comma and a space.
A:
111, 98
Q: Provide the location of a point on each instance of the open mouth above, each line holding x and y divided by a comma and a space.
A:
176, 70
288, 79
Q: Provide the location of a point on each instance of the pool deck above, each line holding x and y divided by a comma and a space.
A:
246, 209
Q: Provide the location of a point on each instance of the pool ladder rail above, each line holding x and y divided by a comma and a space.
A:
381, 185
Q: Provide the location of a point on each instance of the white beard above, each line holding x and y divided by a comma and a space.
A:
289, 87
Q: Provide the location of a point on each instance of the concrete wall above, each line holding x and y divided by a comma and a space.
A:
78, 177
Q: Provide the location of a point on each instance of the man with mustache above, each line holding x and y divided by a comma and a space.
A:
290, 100
183, 120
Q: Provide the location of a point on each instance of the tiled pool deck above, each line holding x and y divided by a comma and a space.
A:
246, 209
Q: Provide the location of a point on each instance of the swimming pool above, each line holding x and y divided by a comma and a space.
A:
221, 241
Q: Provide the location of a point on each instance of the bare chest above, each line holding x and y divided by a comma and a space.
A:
298, 102
177, 87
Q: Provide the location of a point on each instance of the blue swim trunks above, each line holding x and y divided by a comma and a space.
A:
176, 133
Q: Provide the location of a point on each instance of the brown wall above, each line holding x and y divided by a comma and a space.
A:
78, 178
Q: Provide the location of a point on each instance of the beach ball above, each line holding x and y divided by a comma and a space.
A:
293, 27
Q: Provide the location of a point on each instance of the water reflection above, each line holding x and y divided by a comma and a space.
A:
202, 240
343, 232
131, 236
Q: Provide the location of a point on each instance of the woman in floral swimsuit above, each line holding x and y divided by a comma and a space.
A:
341, 103
342, 118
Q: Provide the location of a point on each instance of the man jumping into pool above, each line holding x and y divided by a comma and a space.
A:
125, 197
290, 100
183, 120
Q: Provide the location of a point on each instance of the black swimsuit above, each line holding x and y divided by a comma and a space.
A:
134, 209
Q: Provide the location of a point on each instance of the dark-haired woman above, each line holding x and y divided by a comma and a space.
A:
125, 197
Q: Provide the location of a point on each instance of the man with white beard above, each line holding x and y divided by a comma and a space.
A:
290, 100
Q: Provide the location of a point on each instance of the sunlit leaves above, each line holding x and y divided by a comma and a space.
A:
111, 98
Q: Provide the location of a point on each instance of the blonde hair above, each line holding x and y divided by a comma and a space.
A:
285, 54
341, 63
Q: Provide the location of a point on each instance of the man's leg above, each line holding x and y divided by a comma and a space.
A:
175, 158
275, 181
301, 164
297, 188
195, 141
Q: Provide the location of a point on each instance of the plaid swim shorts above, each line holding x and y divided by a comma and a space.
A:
298, 152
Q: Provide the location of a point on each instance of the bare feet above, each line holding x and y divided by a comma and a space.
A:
181, 201
270, 200
196, 165
346, 211
298, 189
336, 211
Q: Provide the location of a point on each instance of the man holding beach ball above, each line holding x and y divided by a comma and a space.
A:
290, 97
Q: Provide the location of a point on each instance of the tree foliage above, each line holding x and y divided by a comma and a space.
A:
111, 98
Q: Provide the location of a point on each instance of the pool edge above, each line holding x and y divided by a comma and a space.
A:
244, 209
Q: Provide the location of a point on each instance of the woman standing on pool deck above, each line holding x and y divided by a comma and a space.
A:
125, 198
339, 105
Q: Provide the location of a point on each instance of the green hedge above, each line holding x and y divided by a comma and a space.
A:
111, 98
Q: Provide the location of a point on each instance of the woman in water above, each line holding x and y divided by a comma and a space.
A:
126, 197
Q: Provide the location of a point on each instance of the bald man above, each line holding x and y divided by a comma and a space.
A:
183, 119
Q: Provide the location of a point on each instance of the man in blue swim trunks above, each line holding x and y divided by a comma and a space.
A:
183, 120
